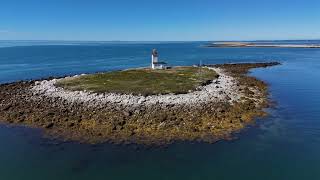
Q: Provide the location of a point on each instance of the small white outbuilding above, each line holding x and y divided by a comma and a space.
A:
155, 63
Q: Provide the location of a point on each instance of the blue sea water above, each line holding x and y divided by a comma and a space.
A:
285, 145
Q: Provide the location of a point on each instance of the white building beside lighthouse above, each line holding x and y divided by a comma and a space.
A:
155, 63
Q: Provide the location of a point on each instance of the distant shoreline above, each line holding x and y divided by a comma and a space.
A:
243, 44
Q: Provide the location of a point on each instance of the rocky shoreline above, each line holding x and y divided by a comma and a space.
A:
213, 112
224, 87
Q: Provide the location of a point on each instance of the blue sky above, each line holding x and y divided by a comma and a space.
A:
149, 20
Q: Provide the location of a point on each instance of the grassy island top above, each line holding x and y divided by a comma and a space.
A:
145, 82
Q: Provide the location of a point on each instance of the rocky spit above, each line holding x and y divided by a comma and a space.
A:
250, 45
211, 113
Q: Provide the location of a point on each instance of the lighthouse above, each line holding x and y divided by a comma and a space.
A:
155, 56
155, 63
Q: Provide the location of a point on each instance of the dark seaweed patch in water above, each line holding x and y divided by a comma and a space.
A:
80, 166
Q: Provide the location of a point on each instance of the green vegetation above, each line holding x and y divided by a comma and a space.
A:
145, 82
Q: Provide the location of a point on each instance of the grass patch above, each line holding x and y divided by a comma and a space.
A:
145, 82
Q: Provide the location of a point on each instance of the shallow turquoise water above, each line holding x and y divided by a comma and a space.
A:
285, 145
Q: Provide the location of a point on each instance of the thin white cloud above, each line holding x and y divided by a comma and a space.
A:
4, 31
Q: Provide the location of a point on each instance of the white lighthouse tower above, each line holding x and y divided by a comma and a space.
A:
155, 63
154, 58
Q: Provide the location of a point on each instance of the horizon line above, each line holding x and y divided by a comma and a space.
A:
315, 39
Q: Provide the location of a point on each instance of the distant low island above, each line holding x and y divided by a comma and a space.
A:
273, 45
144, 106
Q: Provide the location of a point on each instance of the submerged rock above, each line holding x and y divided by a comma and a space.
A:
49, 125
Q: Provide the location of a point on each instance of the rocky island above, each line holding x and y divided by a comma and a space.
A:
142, 106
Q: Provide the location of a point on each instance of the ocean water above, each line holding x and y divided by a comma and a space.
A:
285, 145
